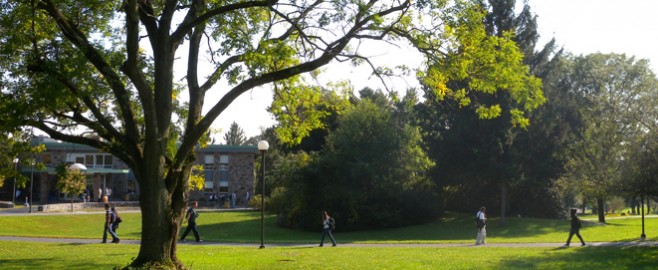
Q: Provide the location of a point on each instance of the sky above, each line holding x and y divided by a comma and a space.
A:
579, 26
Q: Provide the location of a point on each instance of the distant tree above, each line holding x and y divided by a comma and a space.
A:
235, 135
17, 146
372, 174
71, 182
473, 140
612, 90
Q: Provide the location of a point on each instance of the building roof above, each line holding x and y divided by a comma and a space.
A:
52, 144
52, 170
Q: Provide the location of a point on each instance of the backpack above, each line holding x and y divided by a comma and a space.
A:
332, 224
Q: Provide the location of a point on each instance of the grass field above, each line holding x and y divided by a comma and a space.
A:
244, 227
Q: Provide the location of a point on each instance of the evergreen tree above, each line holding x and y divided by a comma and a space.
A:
235, 135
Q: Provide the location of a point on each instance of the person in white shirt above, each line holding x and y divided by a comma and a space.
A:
481, 225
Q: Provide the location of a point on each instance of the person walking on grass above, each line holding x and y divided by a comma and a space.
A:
107, 227
481, 226
328, 224
191, 217
575, 228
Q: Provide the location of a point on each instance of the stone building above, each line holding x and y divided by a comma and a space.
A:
227, 169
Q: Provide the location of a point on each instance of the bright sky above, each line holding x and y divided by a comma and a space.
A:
579, 26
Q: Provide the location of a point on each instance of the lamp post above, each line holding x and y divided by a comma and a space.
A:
31, 184
262, 146
643, 236
78, 167
13, 196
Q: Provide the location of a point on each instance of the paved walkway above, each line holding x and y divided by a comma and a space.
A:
515, 245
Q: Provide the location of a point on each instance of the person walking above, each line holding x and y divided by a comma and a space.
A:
191, 217
481, 225
117, 220
575, 228
328, 224
107, 226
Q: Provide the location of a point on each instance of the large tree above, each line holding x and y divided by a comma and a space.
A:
372, 172
614, 92
107, 68
477, 155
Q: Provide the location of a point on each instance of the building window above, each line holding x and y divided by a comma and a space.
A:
223, 180
93, 160
89, 161
46, 159
223, 173
108, 161
209, 181
209, 159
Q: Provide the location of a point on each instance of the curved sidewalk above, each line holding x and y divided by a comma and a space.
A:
515, 245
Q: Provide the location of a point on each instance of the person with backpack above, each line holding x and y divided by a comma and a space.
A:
328, 224
107, 226
191, 217
117, 220
575, 228
481, 226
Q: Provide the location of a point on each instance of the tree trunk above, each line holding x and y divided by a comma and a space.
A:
600, 210
162, 212
503, 201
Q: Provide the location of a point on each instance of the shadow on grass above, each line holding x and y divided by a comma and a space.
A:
609, 257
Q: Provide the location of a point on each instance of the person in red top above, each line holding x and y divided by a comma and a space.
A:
327, 223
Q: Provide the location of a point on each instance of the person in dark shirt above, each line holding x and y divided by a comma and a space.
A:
191, 217
575, 228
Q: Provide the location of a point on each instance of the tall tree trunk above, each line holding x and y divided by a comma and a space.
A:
503, 201
600, 210
162, 211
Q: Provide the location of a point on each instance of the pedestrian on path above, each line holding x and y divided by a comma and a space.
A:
191, 217
107, 226
481, 226
117, 220
328, 224
575, 228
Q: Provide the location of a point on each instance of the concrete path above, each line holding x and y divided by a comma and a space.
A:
514, 245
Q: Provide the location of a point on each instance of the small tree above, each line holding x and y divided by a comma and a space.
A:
70, 182
235, 135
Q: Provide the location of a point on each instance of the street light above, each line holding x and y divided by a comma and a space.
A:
76, 167
13, 198
262, 146
643, 236
31, 184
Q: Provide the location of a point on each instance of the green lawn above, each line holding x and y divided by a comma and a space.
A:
25, 255
245, 227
